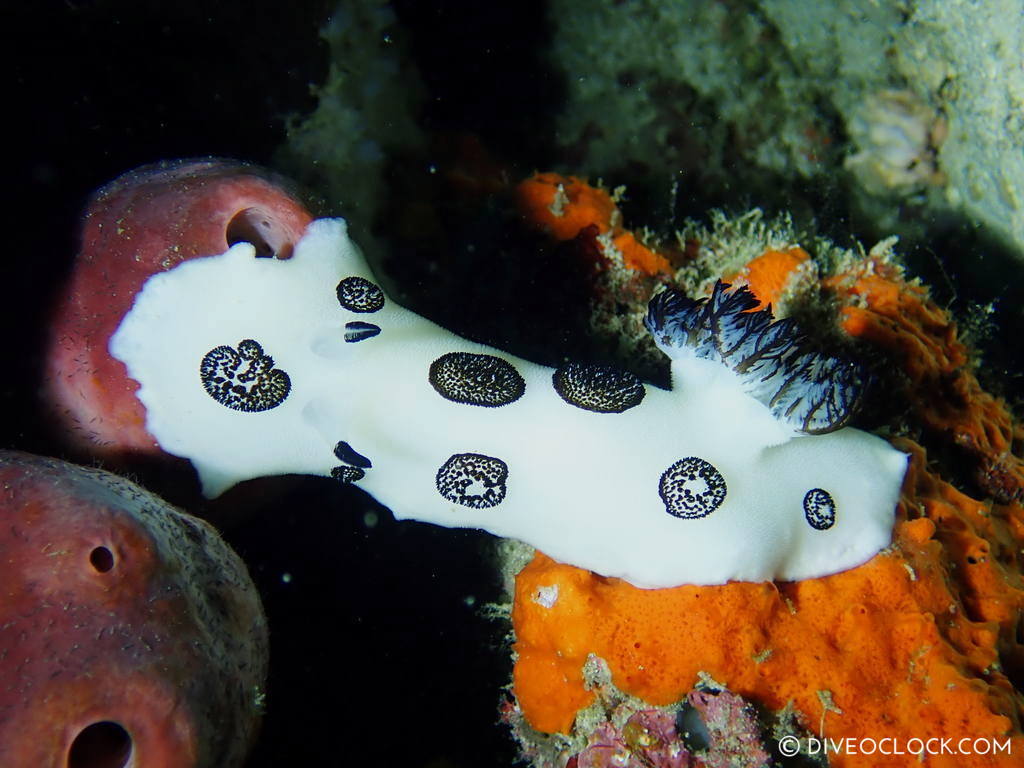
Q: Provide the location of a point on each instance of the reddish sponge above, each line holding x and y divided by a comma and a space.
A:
147, 221
128, 630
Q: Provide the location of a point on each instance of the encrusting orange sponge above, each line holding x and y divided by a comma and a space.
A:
769, 275
566, 206
897, 316
921, 642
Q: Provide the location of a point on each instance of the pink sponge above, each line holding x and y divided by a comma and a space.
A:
130, 633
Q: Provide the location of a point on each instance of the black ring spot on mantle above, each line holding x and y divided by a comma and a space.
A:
244, 379
486, 380
598, 388
358, 294
473, 480
347, 475
692, 488
819, 509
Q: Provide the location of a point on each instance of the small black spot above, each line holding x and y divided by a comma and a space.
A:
819, 509
692, 488
486, 380
360, 295
347, 453
346, 475
473, 480
598, 388
244, 380
357, 331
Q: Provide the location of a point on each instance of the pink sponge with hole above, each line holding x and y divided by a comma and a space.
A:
130, 633
147, 221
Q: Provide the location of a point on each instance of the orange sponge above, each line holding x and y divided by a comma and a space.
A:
922, 641
908, 645
899, 317
769, 275
565, 206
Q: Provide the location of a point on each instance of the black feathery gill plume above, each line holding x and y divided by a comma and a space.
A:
801, 386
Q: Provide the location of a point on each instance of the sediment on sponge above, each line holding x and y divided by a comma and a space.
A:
812, 391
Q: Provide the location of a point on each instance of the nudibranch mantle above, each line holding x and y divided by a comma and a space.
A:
260, 366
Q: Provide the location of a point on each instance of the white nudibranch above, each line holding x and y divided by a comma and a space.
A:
254, 366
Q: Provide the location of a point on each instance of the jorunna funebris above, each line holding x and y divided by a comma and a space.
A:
743, 471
